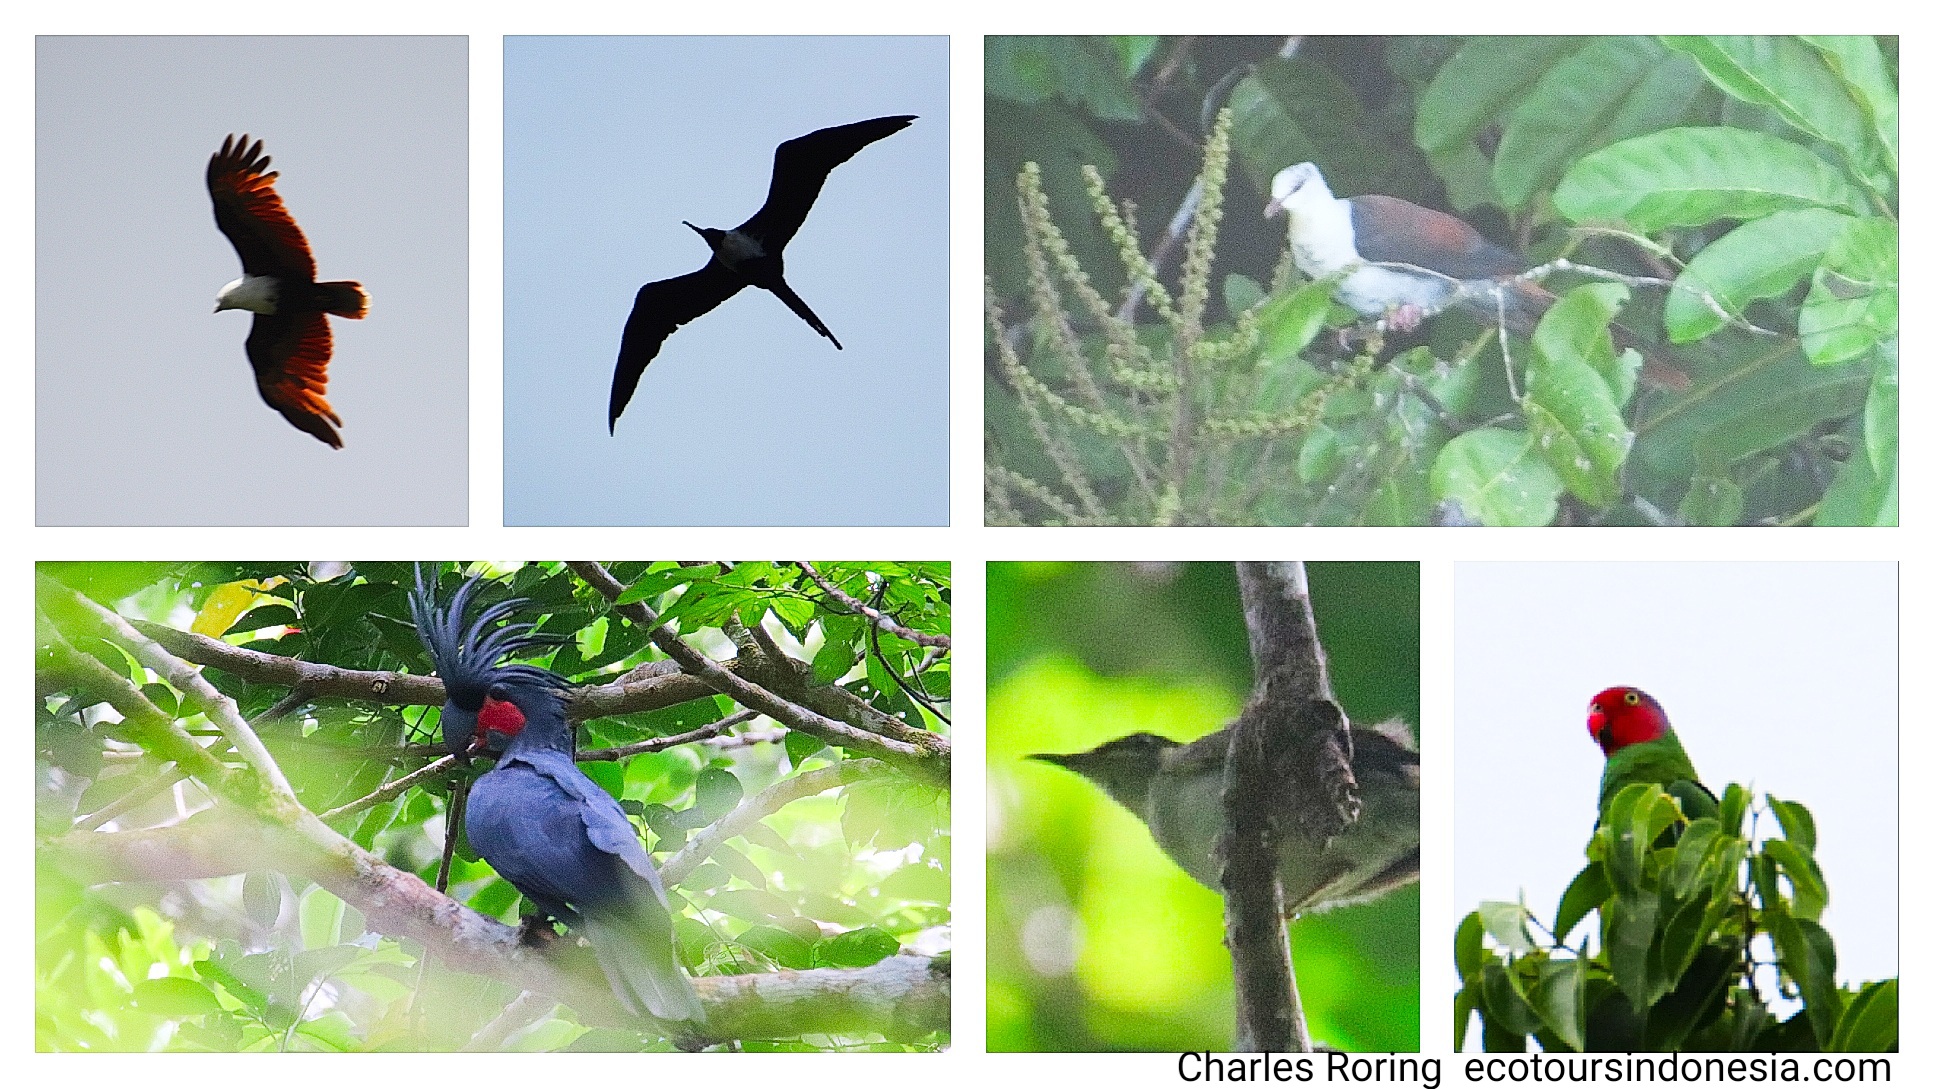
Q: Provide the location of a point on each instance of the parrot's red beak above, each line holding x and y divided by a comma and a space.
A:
1596, 720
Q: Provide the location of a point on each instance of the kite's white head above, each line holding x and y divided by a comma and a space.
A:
256, 294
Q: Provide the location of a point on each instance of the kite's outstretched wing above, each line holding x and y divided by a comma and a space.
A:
248, 210
290, 354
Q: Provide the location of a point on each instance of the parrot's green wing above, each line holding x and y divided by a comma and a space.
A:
1664, 763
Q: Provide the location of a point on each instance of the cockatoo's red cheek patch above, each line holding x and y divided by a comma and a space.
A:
500, 716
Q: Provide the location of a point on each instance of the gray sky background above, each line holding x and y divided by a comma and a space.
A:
1779, 676
746, 416
146, 411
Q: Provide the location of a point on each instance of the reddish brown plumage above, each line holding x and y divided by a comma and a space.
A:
289, 348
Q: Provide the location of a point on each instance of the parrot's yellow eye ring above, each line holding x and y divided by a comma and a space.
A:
1632, 698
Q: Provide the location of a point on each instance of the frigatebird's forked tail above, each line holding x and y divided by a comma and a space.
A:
748, 254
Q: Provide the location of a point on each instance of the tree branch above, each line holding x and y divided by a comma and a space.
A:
1290, 743
902, 997
153, 730
195, 690
928, 759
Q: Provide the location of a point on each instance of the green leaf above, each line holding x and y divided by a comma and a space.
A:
1498, 477
1797, 823
173, 997
1289, 322
1507, 924
800, 746
1870, 1023
1627, 927
1734, 807
1760, 259
1712, 500
1475, 86
1558, 995
857, 948
1084, 71
1293, 109
833, 661
1505, 1009
718, 791
1569, 406
1880, 414
1608, 90
1859, 62
1858, 496
321, 914
1468, 945
608, 774
1241, 292
1853, 301
1807, 955
784, 947
1804, 877
262, 897
1585, 893
1693, 176
1797, 83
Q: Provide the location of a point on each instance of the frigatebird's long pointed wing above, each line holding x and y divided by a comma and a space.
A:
800, 168
661, 307
248, 210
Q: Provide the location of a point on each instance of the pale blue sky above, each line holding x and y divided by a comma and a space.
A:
146, 411
746, 416
1778, 675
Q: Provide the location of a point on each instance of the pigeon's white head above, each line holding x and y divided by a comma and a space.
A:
1298, 189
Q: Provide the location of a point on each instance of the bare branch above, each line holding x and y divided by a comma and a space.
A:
660, 744
1291, 742
651, 687
313, 678
391, 789
856, 605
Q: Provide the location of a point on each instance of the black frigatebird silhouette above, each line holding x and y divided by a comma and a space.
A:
747, 254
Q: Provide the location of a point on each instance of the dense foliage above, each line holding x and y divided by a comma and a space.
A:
1708, 934
849, 870
1732, 200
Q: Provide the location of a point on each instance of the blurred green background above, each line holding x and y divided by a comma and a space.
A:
1096, 941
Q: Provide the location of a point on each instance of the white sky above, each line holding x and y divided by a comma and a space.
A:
146, 410
746, 416
1780, 676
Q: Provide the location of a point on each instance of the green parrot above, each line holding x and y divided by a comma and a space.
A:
1631, 727
1177, 790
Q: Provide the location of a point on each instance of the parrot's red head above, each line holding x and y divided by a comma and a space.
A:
1619, 717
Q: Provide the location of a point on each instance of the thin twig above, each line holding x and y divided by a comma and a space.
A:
758, 807
391, 789
880, 617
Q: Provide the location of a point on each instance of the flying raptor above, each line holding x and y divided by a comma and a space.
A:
289, 344
747, 254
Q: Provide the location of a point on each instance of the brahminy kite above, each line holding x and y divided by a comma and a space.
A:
747, 254
289, 344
